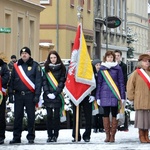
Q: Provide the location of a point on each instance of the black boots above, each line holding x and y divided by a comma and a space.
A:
15, 141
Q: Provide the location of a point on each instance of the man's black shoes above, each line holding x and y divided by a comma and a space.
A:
74, 140
31, 141
1, 141
14, 141
86, 140
52, 139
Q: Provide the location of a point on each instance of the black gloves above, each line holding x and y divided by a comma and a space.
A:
11, 99
36, 99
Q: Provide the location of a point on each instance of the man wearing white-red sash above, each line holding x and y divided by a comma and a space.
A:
24, 90
138, 91
4, 78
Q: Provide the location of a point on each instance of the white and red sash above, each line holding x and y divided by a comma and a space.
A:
29, 84
144, 76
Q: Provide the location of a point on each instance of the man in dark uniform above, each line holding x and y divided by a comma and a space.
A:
118, 55
86, 104
24, 90
4, 78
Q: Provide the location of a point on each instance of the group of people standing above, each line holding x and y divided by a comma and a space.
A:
24, 85
27, 79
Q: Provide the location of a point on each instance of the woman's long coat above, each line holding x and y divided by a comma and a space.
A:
138, 91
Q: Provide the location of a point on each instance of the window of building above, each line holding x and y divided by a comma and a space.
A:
44, 1
31, 34
89, 5
8, 24
112, 10
20, 33
118, 13
71, 3
81, 3
124, 16
104, 11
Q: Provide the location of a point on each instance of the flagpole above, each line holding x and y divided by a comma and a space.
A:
79, 8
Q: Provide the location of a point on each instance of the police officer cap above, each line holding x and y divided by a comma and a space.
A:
25, 49
13, 57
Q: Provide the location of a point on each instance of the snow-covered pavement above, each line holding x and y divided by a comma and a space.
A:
124, 141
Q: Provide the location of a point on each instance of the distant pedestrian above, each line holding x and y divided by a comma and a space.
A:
138, 91
24, 91
118, 57
53, 84
11, 63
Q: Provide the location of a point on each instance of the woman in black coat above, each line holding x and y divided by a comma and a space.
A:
53, 84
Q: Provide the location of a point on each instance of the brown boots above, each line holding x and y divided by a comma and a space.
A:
113, 129
143, 136
110, 131
106, 123
146, 136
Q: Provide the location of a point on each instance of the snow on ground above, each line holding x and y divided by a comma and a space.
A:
124, 141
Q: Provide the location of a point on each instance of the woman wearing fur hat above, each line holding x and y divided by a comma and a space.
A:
110, 93
138, 91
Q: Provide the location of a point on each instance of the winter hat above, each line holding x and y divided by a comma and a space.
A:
144, 56
13, 57
25, 49
95, 61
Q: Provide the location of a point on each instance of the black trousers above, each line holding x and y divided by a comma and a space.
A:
2, 118
22, 101
87, 108
53, 121
113, 110
98, 121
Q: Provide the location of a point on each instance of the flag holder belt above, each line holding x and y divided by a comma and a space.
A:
23, 92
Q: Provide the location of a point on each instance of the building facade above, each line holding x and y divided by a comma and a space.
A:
58, 25
137, 21
19, 26
112, 38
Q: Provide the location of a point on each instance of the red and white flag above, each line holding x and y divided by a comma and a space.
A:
80, 79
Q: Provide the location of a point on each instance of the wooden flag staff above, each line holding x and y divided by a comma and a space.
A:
79, 8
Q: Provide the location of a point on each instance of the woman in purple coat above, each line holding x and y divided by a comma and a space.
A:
110, 93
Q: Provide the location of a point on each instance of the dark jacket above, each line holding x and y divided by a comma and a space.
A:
124, 71
10, 65
33, 71
103, 91
4, 72
93, 93
59, 75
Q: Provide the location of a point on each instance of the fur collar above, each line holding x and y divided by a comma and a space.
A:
29, 62
109, 64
